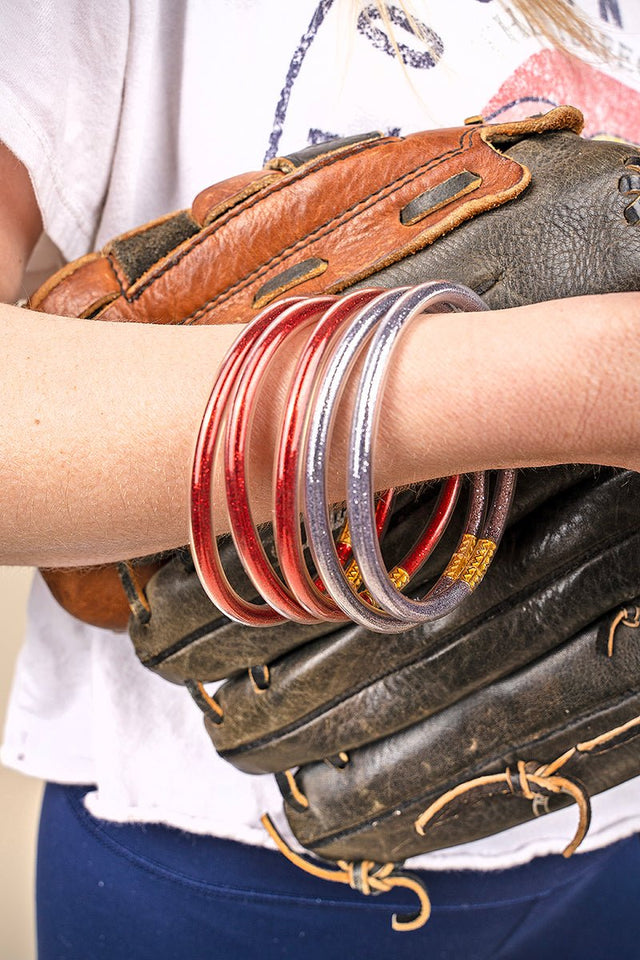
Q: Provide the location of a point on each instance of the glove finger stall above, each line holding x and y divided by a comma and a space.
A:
576, 695
557, 570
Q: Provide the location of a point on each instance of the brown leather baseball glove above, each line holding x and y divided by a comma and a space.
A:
528, 696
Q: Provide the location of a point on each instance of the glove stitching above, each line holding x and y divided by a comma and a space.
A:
499, 760
504, 607
325, 230
382, 193
121, 280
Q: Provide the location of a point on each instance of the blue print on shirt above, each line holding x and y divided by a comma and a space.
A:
412, 56
425, 52
292, 73
610, 10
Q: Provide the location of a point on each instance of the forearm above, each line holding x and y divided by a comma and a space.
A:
556, 382
99, 425
100, 419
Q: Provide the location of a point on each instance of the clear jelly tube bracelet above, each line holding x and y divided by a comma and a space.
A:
453, 586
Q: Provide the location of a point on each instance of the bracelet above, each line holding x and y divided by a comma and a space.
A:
204, 548
286, 516
448, 591
247, 540
318, 437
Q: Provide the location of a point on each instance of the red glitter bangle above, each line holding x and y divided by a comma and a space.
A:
436, 526
237, 455
286, 517
203, 541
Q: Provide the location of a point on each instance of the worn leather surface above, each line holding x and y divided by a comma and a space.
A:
340, 203
519, 672
575, 693
568, 228
343, 206
557, 571
187, 638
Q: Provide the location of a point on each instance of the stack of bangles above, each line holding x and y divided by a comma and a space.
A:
351, 581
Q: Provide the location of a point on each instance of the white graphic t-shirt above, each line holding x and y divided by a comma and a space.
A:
121, 119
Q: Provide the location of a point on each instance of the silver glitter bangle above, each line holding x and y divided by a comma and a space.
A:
315, 506
474, 553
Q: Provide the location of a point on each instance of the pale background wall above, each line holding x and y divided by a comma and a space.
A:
19, 795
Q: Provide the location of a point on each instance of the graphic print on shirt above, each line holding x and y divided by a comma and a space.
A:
610, 10
292, 73
370, 25
419, 47
549, 78
374, 72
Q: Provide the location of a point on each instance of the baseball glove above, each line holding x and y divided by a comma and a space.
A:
525, 698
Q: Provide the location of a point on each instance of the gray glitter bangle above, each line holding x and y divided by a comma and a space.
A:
315, 506
474, 553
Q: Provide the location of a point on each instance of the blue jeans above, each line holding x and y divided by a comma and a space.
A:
146, 892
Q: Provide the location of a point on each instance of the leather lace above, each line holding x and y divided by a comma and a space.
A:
536, 785
366, 876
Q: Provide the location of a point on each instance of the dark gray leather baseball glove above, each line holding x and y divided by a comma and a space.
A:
528, 696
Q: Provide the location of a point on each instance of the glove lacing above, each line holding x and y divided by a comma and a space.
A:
366, 876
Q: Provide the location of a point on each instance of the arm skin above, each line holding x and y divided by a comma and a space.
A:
95, 445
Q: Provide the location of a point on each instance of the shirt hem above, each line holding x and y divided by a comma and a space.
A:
451, 859
78, 770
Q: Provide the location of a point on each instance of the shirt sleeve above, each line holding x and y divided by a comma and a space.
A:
62, 70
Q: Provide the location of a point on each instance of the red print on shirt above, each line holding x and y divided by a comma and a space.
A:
550, 78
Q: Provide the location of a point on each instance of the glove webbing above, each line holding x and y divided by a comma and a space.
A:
531, 781
537, 782
365, 876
